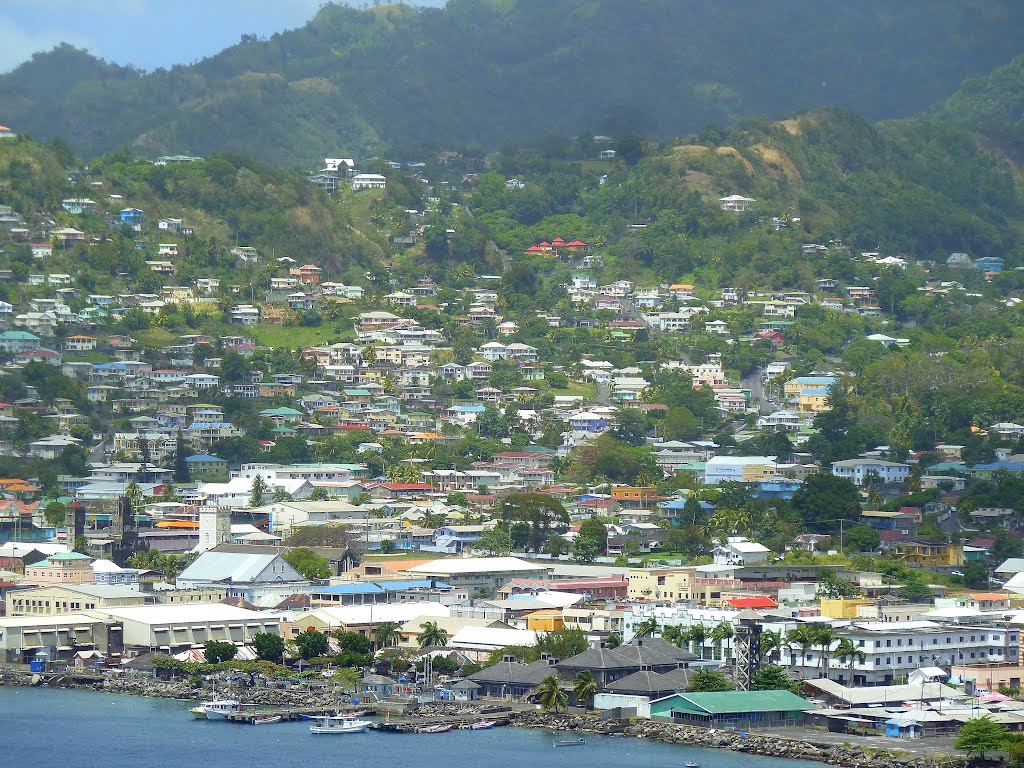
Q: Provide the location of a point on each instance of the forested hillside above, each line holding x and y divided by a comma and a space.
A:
487, 72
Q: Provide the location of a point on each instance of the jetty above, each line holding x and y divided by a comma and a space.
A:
417, 724
287, 714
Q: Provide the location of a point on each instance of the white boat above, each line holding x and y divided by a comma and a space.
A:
338, 724
266, 720
217, 710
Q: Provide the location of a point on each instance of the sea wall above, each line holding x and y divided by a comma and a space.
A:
773, 746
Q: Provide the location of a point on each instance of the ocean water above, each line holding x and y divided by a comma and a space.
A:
46, 728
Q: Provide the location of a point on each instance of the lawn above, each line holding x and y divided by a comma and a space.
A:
294, 336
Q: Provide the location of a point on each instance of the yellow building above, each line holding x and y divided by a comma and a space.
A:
546, 620
676, 584
814, 401
62, 568
844, 608
754, 473
923, 554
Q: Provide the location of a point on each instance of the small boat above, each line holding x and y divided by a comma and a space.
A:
267, 720
483, 725
439, 728
338, 724
692, 764
217, 710
570, 742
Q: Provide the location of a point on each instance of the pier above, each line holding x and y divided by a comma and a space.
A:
287, 714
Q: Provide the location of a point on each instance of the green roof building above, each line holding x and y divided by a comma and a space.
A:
732, 709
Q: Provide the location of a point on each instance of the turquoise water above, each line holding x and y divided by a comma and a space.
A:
45, 728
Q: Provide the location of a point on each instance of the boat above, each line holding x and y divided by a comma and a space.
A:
570, 742
338, 724
692, 764
439, 728
483, 725
217, 710
266, 720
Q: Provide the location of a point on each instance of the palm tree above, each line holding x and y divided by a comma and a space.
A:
771, 645
723, 631
584, 687
672, 634
846, 651
803, 636
647, 627
825, 636
387, 634
432, 635
697, 634
551, 695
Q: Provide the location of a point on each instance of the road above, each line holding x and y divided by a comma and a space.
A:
753, 382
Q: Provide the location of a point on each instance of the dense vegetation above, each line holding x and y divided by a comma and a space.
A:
489, 71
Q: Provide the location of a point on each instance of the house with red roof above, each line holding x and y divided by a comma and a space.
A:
752, 603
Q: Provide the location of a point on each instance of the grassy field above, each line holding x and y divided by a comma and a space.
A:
293, 336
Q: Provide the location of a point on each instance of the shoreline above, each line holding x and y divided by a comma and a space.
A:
847, 756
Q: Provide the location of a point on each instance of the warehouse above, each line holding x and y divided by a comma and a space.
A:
173, 628
58, 638
732, 709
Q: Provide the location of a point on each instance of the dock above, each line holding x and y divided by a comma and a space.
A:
414, 724
287, 714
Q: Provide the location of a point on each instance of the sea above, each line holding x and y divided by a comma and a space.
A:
47, 728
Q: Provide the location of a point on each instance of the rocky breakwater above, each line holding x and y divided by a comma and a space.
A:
304, 697
771, 746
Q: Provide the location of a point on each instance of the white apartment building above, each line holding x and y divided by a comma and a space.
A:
892, 650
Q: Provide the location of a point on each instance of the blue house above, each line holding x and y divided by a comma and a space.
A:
989, 264
132, 217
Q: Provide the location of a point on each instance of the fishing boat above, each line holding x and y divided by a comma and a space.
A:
217, 710
570, 742
483, 725
338, 724
266, 720
439, 728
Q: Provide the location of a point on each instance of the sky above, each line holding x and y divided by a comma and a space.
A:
143, 33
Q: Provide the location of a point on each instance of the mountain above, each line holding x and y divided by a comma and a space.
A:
991, 99
489, 72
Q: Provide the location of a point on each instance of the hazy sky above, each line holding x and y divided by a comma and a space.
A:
144, 33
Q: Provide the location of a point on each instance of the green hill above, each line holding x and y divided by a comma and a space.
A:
486, 72
994, 98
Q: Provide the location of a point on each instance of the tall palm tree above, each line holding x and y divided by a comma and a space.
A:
387, 634
698, 633
432, 635
723, 631
803, 637
584, 687
647, 627
551, 695
846, 651
825, 636
771, 645
672, 634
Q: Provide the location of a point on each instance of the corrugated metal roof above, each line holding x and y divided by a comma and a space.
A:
729, 702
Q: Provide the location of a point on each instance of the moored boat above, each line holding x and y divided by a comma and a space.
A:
483, 725
570, 742
338, 724
217, 710
266, 720
439, 728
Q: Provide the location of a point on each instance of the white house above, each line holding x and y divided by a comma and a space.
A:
738, 550
368, 181
859, 470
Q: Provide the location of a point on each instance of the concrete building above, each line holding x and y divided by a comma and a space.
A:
859, 471
172, 628
480, 575
53, 600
